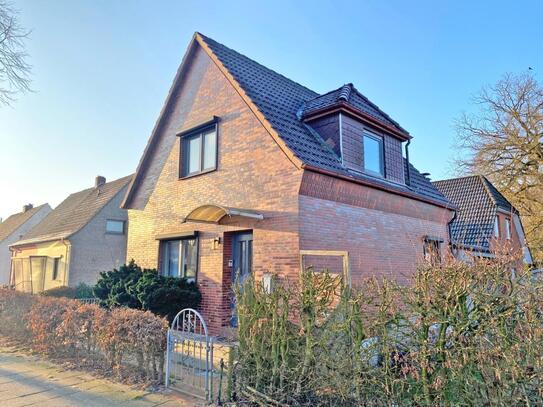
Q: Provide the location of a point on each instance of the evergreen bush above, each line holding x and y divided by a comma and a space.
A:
133, 287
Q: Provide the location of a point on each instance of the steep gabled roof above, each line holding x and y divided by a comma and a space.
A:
15, 221
477, 201
74, 213
279, 103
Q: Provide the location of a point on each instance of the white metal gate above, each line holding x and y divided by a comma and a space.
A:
189, 355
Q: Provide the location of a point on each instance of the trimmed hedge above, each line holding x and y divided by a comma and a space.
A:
128, 342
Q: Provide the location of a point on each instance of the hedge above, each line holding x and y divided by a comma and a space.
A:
129, 343
459, 335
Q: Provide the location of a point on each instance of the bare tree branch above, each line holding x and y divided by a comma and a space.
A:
503, 140
14, 68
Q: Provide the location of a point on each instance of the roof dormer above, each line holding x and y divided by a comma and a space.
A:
365, 138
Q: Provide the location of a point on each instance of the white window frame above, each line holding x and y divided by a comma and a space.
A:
496, 226
508, 228
381, 142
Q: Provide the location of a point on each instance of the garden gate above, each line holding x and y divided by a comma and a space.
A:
189, 355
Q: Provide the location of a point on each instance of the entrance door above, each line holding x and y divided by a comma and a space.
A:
37, 273
242, 263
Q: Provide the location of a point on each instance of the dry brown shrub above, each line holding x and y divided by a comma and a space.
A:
132, 342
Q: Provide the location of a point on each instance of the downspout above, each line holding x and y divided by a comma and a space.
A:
408, 175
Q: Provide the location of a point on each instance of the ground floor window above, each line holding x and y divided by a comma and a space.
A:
179, 258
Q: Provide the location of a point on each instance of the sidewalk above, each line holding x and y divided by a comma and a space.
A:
30, 381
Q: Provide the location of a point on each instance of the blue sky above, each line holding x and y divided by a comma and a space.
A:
101, 71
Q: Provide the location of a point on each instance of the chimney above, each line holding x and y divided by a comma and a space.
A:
99, 181
27, 207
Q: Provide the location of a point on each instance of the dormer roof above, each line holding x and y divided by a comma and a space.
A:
348, 96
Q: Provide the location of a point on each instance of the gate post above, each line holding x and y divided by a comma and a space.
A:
168, 353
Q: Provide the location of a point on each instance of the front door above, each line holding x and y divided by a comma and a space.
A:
242, 263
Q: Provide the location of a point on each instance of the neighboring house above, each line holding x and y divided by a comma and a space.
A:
248, 172
484, 219
13, 229
84, 235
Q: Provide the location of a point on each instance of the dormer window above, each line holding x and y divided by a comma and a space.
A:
373, 154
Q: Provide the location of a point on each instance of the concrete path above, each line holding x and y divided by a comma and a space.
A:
30, 381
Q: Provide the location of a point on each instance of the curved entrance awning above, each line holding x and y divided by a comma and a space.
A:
214, 214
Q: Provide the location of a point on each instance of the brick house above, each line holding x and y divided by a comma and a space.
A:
82, 236
247, 172
13, 229
484, 221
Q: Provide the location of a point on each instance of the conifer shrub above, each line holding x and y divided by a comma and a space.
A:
133, 287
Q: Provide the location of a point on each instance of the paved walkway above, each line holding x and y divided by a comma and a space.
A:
30, 381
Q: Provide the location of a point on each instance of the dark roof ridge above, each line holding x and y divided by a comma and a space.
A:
206, 38
457, 178
345, 92
379, 109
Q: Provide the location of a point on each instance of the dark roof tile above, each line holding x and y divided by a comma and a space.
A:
476, 200
281, 100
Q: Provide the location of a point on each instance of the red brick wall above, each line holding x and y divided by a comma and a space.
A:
253, 173
382, 232
513, 245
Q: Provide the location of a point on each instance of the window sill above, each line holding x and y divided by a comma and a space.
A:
373, 174
115, 233
196, 174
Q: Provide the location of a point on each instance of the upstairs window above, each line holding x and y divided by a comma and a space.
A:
373, 154
179, 258
508, 228
115, 227
496, 226
199, 151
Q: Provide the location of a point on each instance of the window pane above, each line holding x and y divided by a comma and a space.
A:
115, 226
193, 154
372, 155
210, 149
171, 258
496, 227
190, 259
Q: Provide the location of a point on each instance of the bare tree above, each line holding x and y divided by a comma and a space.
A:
504, 141
14, 68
